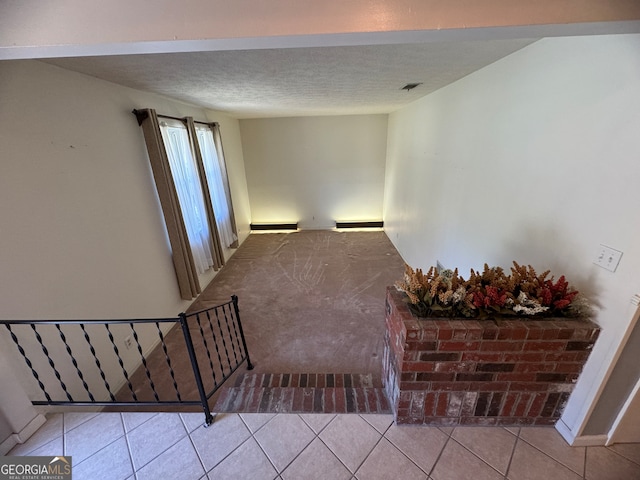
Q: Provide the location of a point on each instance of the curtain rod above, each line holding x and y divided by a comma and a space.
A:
183, 119
141, 115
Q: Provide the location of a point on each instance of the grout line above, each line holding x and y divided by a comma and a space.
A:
513, 451
204, 469
262, 449
300, 452
405, 455
584, 468
126, 439
555, 459
163, 451
371, 451
433, 467
619, 454
245, 423
478, 457
100, 449
82, 423
139, 425
231, 453
385, 430
64, 439
353, 475
323, 428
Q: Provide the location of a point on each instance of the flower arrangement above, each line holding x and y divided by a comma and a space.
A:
491, 292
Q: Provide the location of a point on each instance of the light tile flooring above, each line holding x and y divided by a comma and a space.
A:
257, 446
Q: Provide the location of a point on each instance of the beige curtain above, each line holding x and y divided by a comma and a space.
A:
217, 138
216, 245
181, 250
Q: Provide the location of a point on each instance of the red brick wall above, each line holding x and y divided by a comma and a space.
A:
470, 372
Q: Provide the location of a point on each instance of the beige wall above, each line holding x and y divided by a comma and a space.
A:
533, 158
18, 418
315, 170
83, 235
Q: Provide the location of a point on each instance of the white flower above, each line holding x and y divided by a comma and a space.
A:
528, 306
459, 295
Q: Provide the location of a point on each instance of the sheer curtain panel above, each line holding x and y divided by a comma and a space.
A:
218, 255
182, 255
189, 189
215, 173
191, 179
217, 138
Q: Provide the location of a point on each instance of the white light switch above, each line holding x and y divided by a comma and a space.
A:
608, 258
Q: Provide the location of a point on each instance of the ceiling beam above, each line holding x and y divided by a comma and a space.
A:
44, 29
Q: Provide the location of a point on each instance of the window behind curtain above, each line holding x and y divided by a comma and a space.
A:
187, 183
215, 173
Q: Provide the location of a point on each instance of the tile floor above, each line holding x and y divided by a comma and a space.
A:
128, 446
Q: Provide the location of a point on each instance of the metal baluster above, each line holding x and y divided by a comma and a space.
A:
226, 319
93, 352
144, 362
215, 343
196, 369
124, 371
234, 299
51, 362
24, 355
234, 336
234, 319
166, 356
206, 348
75, 363
224, 344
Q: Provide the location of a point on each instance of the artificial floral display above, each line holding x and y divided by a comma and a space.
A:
491, 292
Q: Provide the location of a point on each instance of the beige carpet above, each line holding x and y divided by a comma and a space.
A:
310, 301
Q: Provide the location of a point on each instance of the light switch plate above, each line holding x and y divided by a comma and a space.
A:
608, 258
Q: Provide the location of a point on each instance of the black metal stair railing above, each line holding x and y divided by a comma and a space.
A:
102, 363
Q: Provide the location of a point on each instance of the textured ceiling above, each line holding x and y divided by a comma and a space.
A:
299, 81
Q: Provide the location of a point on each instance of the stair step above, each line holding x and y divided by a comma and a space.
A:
303, 393
308, 380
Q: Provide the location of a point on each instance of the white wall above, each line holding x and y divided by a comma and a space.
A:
315, 170
82, 234
533, 158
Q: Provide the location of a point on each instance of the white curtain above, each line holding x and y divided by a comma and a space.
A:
187, 184
214, 170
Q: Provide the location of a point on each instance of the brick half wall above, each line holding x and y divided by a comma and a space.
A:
480, 372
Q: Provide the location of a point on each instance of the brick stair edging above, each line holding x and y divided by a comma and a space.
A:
303, 393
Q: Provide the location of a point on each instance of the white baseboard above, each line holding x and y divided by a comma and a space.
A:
31, 428
590, 441
8, 444
24, 434
580, 440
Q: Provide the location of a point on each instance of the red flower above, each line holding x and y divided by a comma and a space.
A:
560, 304
493, 298
545, 296
558, 296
